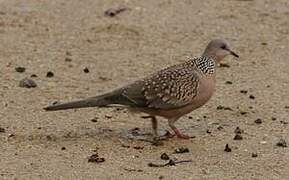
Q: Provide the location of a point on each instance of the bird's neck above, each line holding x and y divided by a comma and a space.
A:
205, 64
211, 54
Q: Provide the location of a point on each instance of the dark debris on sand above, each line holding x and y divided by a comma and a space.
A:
281, 143
181, 150
95, 159
111, 12
27, 83
20, 69
227, 148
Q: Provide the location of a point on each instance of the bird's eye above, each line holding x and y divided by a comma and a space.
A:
223, 46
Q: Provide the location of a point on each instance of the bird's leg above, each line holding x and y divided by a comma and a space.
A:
176, 130
154, 125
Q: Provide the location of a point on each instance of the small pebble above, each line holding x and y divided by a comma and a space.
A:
103, 78
209, 131
63, 148
49, 74
86, 70
68, 53
135, 131
238, 130
27, 83
55, 102
244, 0
220, 107
274, 119
111, 12
263, 142
283, 122
11, 135
95, 119
164, 156
243, 112
224, 65
33, 75
258, 121
254, 155
220, 127
238, 137
282, 143
227, 148
182, 150
108, 116
133, 170
244, 91
20, 69
138, 147
95, 159
157, 143
2, 130
229, 82
252, 97
49, 138
67, 59
125, 146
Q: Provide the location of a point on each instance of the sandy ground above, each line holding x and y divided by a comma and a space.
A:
42, 35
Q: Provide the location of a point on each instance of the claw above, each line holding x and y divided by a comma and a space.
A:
180, 135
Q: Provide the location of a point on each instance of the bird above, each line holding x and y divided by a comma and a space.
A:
170, 93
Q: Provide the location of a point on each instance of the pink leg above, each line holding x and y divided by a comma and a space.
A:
177, 132
180, 135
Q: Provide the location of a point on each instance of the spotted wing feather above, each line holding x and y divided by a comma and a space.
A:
170, 88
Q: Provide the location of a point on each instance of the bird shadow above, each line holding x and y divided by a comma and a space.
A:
134, 134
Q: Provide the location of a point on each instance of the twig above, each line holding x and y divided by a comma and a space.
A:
170, 163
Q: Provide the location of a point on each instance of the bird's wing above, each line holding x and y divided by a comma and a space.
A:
170, 88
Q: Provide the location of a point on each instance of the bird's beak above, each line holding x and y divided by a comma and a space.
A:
233, 53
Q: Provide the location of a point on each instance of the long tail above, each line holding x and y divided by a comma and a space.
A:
97, 101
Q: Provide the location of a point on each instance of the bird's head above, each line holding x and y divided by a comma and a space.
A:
218, 49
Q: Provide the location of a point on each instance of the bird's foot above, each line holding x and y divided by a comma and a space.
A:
183, 136
180, 135
168, 134
164, 136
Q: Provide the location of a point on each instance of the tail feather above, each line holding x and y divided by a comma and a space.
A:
98, 101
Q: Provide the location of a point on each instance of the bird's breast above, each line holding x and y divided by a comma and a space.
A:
205, 91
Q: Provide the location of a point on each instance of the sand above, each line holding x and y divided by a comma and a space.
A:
65, 37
